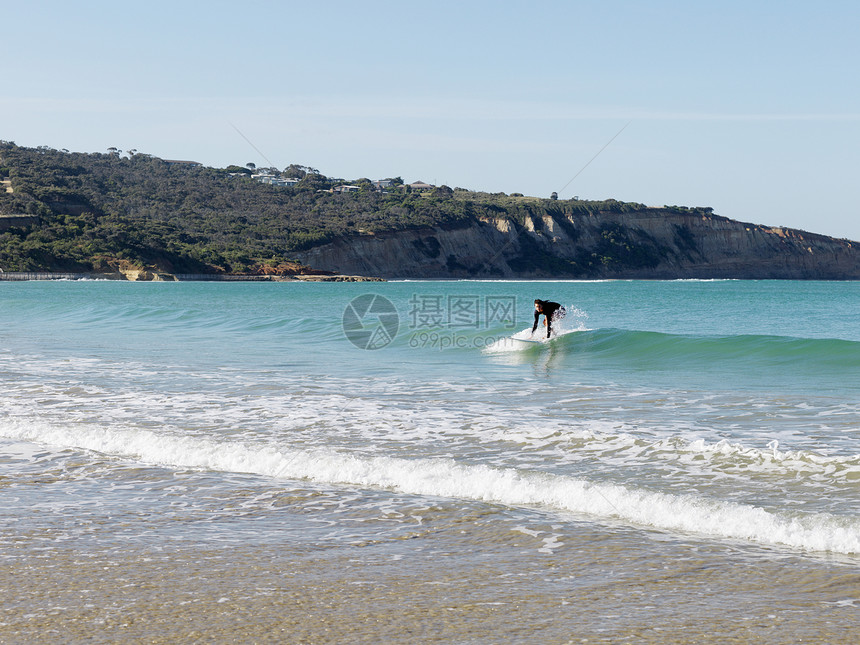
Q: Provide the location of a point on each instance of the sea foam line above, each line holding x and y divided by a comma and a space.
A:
792, 459
448, 478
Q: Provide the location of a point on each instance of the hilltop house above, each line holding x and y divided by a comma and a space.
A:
275, 181
420, 186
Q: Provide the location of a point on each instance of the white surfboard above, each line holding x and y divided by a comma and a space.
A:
539, 340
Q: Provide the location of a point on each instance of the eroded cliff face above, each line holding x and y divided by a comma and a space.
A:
648, 243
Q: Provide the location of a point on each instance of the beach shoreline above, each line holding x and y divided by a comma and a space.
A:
151, 276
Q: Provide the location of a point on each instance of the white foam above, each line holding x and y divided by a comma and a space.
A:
515, 343
772, 458
448, 478
618, 444
574, 429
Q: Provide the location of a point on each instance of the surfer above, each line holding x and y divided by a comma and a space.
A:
552, 311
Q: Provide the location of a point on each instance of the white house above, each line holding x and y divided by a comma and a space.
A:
275, 181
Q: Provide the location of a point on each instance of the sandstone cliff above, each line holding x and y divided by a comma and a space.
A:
657, 243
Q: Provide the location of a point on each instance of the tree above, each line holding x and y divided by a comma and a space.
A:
316, 181
297, 171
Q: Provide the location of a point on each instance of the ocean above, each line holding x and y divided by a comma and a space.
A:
386, 463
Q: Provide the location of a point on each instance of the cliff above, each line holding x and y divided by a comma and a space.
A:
647, 243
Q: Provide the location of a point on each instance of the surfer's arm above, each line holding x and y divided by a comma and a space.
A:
537, 317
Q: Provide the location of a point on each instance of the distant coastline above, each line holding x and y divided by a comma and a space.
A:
24, 276
139, 217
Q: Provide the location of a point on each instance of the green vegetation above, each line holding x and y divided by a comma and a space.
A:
97, 210
94, 208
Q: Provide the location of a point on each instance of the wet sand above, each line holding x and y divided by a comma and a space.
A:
432, 589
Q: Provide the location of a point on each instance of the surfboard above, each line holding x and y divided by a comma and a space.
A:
539, 341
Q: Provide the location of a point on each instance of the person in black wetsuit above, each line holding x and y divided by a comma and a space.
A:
551, 311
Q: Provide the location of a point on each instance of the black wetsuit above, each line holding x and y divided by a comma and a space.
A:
550, 310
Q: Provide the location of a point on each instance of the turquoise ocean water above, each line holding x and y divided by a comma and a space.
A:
384, 462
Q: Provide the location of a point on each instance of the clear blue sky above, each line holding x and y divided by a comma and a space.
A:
750, 107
